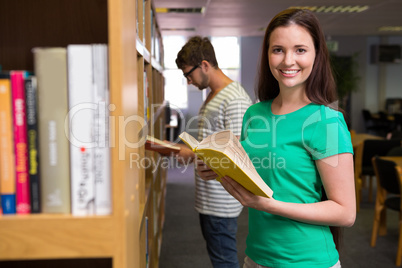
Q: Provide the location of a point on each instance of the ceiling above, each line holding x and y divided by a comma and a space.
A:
250, 17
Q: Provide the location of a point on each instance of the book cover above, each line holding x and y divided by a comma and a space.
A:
50, 65
7, 161
20, 142
156, 145
146, 99
223, 153
81, 122
103, 199
146, 241
33, 142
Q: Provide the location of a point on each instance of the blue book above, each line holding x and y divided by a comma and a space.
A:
8, 203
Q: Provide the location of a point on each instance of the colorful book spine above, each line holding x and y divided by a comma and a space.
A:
7, 161
50, 66
103, 203
33, 142
146, 241
20, 142
81, 122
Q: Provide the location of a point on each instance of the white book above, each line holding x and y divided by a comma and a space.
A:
103, 204
81, 121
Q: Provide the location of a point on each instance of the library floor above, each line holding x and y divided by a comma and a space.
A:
183, 245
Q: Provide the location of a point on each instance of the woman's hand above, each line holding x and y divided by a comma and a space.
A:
245, 197
204, 171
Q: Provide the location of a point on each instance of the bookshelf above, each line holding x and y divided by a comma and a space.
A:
118, 240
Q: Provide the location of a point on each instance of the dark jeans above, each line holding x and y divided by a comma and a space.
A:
220, 235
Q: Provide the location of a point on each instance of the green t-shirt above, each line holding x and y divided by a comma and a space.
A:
283, 149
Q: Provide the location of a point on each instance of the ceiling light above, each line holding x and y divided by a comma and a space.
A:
179, 29
390, 29
192, 10
334, 9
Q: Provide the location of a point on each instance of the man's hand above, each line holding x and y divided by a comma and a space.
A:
204, 171
185, 155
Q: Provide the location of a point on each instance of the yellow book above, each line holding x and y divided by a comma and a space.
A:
223, 153
7, 160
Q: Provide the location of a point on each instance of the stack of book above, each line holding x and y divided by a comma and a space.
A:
54, 133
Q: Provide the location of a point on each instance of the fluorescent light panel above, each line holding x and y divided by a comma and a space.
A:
390, 29
179, 29
192, 10
334, 9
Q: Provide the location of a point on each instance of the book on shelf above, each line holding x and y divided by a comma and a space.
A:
7, 161
147, 111
50, 66
103, 198
224, 154
153, 30
20, 142
33, 142
81, 123
146, 241
162, 147
144, 26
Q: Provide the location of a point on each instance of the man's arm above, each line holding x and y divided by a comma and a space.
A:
185, 155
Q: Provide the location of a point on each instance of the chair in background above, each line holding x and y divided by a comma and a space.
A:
395, 135
374, 125
385, 121
352, 134
363, 164
398, 121
389, 183
396, 151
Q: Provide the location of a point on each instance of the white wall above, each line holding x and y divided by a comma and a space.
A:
394, 73
250, 50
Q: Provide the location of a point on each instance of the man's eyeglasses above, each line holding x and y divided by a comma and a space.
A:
189, 72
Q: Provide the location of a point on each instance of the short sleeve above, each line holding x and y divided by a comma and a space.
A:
330, 135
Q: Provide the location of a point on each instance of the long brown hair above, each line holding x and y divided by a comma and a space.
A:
320, 86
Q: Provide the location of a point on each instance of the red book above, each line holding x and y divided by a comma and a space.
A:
20, 142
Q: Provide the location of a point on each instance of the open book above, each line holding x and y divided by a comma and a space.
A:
164, 148
223, 153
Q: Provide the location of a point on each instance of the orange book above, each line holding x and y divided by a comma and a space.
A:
7, 162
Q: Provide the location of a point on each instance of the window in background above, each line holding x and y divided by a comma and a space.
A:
175, 83
227, 51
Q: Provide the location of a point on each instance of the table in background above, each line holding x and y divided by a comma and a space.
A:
396, 159
359, 138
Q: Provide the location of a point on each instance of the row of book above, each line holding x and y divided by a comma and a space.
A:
54, 133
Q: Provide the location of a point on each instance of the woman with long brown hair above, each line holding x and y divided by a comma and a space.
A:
300, 145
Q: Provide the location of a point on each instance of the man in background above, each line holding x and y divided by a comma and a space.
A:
223, 109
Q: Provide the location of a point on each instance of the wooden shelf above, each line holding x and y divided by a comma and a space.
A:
121, 236
143, 51
156, 65
56, 236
